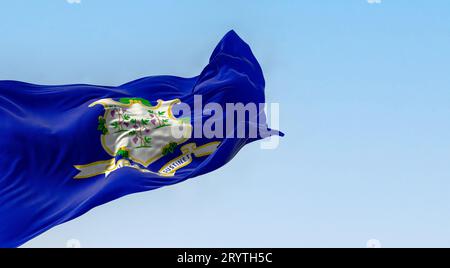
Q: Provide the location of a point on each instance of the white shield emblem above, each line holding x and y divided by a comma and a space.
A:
140, 134
143, 130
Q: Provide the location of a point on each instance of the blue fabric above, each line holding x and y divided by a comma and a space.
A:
46, 130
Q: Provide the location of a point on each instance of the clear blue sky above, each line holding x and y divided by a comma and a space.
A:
364, 91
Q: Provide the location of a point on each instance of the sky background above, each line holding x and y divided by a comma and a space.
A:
364, 93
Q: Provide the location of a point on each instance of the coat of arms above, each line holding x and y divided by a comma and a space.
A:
138, 132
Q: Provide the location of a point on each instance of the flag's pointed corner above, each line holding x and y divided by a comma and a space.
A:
231, 34
232, 44
274, 132
231, 37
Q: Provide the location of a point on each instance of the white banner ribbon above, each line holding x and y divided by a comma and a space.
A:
185, 159
169, 169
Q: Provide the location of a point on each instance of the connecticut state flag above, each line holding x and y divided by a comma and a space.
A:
67, 149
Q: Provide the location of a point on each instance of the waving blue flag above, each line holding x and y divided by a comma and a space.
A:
66, 149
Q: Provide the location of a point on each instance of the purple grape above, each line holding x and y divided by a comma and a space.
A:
126, 124
135, 140
113, 112
153, 121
